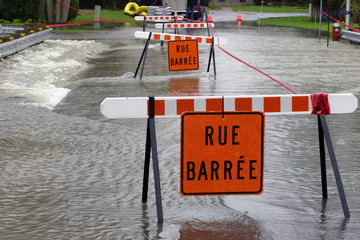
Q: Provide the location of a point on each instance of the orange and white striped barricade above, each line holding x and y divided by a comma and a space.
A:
269, 104
176, 37
185, 25
151, 107
155, 19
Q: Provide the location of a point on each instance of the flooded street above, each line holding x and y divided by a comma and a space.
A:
67, 172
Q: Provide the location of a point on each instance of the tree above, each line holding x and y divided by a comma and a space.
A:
50, 11
65, 11
42, 4
62, 11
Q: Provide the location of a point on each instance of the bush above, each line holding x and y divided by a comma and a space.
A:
29, 10
19, 9
355, 11
73, 13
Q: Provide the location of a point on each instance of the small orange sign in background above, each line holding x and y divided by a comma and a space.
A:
222, 153
183, 55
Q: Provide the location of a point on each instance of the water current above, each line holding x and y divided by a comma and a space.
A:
67, 172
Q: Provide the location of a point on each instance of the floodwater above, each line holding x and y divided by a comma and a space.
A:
66, 172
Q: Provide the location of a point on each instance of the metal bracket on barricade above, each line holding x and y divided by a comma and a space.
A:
176, 37
145, 107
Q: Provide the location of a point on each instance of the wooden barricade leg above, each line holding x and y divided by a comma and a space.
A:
208, 28
335, 166
146, 164
143, 58
163, 31
212, 55
151, 143
322, 160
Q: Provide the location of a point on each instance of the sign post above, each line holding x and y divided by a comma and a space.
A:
222, 153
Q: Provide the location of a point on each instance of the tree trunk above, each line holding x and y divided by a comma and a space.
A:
50, 11
65, 11
58, 7
114, 4
41, 10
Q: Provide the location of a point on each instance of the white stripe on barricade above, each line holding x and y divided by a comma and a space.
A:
177, 37
269, 104
183, 25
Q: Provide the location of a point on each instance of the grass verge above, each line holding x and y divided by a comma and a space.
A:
108, 14
299, 22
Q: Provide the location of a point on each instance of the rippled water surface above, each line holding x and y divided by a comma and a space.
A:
66, 172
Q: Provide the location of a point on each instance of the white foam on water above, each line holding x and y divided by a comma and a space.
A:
40, 74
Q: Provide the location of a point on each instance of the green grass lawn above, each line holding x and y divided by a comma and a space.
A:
299, 22
113, 15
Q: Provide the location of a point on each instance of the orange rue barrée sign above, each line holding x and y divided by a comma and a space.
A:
183, 55
222, 153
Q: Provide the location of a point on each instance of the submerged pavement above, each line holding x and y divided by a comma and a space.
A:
226, 14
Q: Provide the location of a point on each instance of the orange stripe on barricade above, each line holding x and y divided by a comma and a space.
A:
300, 103
272, 104
184, 105
243, 104
159, 108
214, 104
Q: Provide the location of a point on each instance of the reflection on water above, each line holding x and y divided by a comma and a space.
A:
72, 174
233, 229
184, 86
